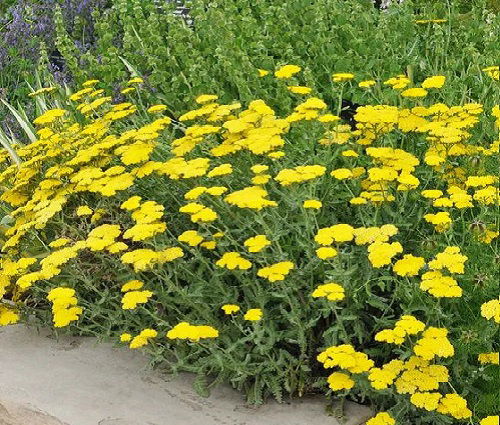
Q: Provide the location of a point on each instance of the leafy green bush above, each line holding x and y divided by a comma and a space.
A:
266, 250
321, 36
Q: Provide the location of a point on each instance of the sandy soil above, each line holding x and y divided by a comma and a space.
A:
75, 381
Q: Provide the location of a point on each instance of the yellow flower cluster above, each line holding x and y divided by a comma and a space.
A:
233, 260
331, 291
192, 332
253, 197
139, 340
489, 358
382, 418
257, 243
490, 420
493, 72
132, 298
143, 259
64, 306
407, 325
146, 216
276, 272
434, 343
347, 358
441, 220
409, 265
199, 212
299, 174
491, 310
8, 316
438, 284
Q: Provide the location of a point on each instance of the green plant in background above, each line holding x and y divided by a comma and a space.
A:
320, 36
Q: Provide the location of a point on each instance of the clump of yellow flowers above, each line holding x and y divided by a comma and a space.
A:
255, 245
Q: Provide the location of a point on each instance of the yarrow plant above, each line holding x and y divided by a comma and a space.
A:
286, 254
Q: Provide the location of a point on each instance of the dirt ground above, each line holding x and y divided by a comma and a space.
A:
75, 381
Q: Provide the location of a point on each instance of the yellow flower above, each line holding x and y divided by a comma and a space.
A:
253, 197
336, 233
342, 76
341, 173
490, 420
230, 308
259, 168
367, 83
143, 338
491, 310
143, 231
299, 89
450, 259
257, 243
276, 271
398, 82
312, 204
432, 193
125, 337
326, 252
253, 315
262, 72
49, 116
90, 83
493, 72
326, 118
8, 316
407, 325
191, 237
220, 170
435, 82
276, 154
132, 285
58, 243
454, 405
340, 381
192, 332
127, 90
489, 358
382, 418
345, 357
331, 291
102, 236
205, 98
414, 92
135, 80
287, 71
299, 174
409, 265
434, 342
84, 210
132, 298
261, 179
441, 220
156, 108
381, 253
439, 285
233, 260
350, 153
64, 306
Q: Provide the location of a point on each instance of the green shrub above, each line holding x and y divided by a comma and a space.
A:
322, 36
127, 228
